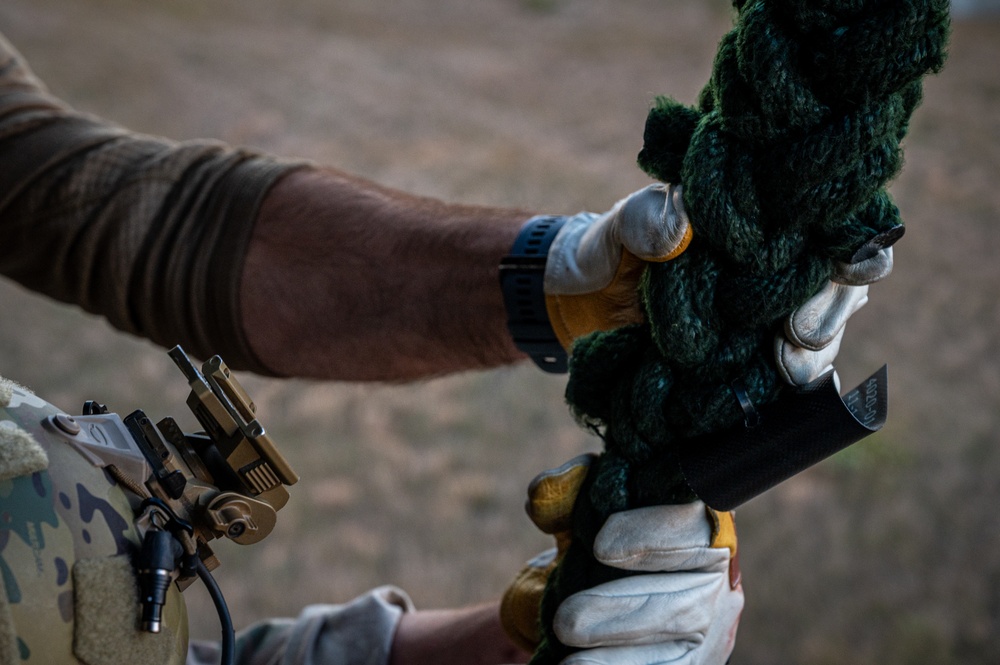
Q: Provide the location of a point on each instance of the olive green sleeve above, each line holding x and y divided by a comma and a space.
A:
147, 232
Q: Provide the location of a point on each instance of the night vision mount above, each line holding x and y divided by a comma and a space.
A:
227, 481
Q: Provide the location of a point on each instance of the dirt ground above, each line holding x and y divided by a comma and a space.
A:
888, 553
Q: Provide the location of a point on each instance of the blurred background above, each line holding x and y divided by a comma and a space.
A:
886, 553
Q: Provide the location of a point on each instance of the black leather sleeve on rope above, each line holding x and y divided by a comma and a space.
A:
522, 273
801, 428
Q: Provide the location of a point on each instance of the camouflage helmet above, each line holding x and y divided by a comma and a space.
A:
68, 541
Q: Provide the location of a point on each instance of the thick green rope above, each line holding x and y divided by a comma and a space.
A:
784, 164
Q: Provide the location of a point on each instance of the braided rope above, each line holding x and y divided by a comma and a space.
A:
784, 164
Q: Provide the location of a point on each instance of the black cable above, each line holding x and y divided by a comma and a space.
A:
228, 634
175, 521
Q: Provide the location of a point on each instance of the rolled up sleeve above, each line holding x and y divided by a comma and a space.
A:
357, 633
147, 232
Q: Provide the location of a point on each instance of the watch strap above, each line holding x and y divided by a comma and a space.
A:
522, 276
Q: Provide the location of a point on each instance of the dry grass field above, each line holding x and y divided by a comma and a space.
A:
888, 553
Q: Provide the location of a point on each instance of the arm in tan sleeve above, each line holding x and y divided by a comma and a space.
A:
281, 267
147, 232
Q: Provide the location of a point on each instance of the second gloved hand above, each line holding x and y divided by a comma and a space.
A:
684, 610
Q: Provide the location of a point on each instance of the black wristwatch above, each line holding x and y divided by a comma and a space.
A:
522, 274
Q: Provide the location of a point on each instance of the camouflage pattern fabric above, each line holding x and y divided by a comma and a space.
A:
51, 519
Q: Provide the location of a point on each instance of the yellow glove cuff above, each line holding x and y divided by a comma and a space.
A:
614, 306
551, 496
724, 535
519, 606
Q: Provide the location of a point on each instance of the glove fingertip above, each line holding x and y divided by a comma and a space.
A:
552, 493
679, 249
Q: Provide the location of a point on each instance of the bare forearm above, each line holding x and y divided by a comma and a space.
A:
469, 636
346, 279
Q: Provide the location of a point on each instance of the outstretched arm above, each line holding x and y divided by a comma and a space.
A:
280, 266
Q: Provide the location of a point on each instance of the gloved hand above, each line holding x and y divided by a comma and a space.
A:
595, 262
551, 495
685, 610
813, 332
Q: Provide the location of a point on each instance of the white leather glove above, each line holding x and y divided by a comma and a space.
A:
813, 332
595, 261
685, 611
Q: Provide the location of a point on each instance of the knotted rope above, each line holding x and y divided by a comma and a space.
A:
784, 164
